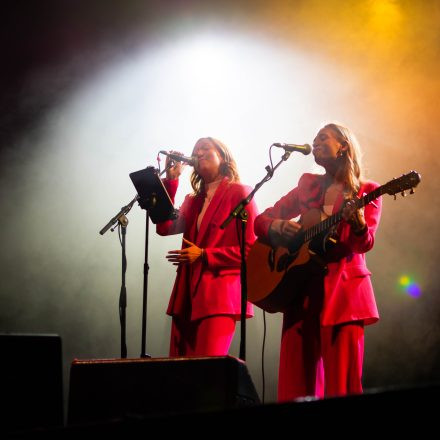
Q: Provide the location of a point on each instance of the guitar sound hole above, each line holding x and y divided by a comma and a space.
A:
271, 260
283, 262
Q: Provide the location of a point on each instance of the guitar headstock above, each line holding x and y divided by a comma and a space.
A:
402, 183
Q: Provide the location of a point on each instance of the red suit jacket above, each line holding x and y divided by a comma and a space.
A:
348, 292
210, 287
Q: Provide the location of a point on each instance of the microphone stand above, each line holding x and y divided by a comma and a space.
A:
123, 294
145, 203
145, 285
152, 197
121, 221
240, 213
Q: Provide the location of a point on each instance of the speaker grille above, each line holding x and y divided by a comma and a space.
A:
108, 389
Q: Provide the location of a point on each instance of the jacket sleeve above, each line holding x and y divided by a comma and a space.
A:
360, 244
286, 208
177, 226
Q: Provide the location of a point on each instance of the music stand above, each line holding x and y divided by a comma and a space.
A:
154, 198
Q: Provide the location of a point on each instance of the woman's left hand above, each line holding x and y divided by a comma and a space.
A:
186, 255
354, 216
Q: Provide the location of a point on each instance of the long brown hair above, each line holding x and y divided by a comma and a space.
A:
228, 167
350, 171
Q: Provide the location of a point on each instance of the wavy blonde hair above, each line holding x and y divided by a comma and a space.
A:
228, 167
350, 172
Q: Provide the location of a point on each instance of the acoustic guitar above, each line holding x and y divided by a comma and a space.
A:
276, 275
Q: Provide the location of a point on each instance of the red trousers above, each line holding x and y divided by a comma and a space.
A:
329, 365
211, 336
319, 361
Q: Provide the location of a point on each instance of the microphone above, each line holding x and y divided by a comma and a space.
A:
304, 149
180, 158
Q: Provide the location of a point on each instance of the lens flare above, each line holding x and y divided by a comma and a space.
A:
409, 286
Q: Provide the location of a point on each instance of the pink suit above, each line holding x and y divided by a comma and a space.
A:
209, 288
324, 328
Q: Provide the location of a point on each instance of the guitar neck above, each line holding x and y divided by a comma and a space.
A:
334, 219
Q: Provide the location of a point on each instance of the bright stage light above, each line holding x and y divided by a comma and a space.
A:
385, 17
245, 91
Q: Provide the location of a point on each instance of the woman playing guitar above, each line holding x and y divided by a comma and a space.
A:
322, 341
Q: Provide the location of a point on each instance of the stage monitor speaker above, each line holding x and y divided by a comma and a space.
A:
31, 381
107, 389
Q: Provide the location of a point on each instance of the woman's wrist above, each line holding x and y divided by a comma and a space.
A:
172, 177
359, 229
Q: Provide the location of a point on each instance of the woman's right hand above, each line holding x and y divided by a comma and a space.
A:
283, 231
175, 170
